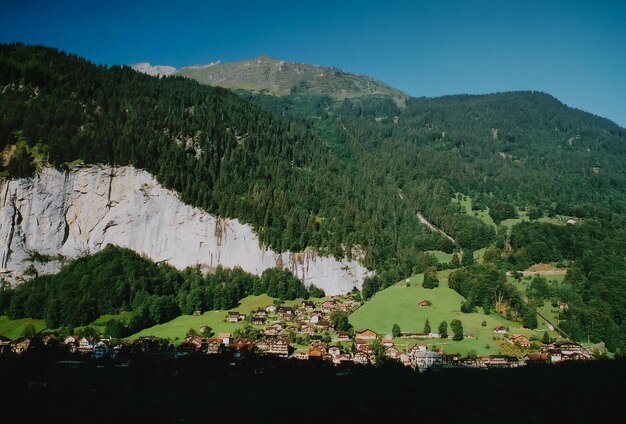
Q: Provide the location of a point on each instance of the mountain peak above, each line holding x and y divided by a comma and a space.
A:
157, 70
280, 77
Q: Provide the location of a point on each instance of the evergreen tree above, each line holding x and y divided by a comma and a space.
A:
443, 330
430, 278
395, 331
427, 328
457, 330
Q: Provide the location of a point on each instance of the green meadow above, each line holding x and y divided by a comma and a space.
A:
442, 257
466, 203
178, 327
398, 304
14, 329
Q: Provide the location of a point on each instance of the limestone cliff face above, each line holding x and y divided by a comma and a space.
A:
79, 212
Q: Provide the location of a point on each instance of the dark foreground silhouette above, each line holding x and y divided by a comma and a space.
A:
199, 389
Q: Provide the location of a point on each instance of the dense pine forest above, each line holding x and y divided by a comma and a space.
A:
115, 280
348, 176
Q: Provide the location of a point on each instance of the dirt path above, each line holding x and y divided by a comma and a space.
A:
425, 222
541, 273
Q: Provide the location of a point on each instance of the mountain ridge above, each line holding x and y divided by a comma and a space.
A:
265, 74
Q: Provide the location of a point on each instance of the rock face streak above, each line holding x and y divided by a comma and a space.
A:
81, 211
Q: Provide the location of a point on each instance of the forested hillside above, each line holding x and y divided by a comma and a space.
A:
116, 280
219, 151
508, 151
348, 176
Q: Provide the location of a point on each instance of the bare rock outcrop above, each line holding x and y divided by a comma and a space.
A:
68, 214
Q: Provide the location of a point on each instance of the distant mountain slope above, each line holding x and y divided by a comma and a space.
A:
280, 77
156, 71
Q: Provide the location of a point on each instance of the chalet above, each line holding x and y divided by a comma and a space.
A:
50, 339
240, 349
315, 317
303, 356
499, 361
316, 353
261, 313
568, 348
343, 358
285, 311
86, 344
363, 346
520, 339
197, 313
307, 329
329, 305
70, 339
536, 358
148, 344
233, 316
344, 307
257, 321
419, 347
365, 334
213, 346
334, 351
274, 329
190, 345
425, 303
555, 355
5, 345
405, 359
500, 329
387, 342
450, 359
423, 360
314, 340
102, 349
262, 345
392, 352
270, 309
343, 336
307, 305
278, 346
195, 341
224, 338
566, 351
361, 357
21, 346
328, 357
323, 325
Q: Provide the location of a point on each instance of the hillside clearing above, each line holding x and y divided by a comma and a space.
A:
398, 304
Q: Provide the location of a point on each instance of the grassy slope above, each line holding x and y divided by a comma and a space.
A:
442, 257
273, 76
522, 215
398, 304
14, 329
178, 327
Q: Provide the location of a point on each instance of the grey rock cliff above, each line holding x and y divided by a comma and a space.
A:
68, 214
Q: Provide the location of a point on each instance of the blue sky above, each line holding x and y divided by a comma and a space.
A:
574, 50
